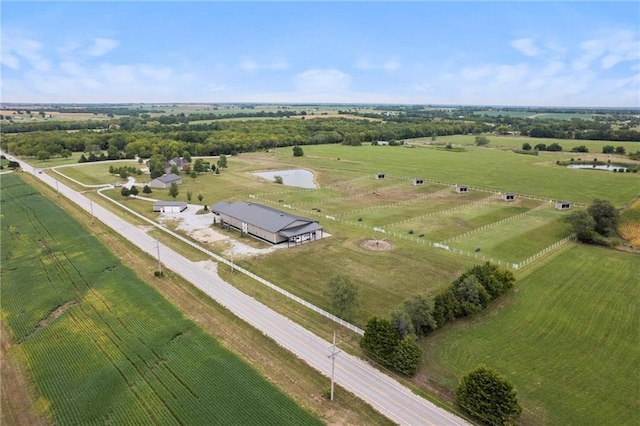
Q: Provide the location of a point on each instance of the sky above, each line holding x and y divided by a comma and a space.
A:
511, 53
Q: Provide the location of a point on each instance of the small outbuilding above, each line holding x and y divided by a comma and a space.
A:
563, 205
509, 196
418, 181
382, 143
379, 175
462, 188
169, 206
165, 181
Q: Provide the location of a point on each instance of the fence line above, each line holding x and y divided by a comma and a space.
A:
493, 224
234, 267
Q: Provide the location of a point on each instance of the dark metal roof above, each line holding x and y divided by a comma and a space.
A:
169, 178
266, 217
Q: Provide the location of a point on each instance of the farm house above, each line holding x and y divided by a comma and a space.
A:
266, 223
165, 181
563, 205
379, 175
169, 206
509, 196
418, 181
462, 188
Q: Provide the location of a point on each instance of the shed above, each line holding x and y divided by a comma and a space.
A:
418, 181
563, 205
165, 181
382, 143
379, 175
509, 196
169, 206
462, 188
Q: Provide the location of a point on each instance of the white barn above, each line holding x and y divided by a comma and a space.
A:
169, 206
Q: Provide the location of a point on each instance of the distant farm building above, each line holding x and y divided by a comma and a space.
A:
382, 143
379, 175
563, 205
418, 181
509, 196
169, 206
462, 188
165, 181
266, 223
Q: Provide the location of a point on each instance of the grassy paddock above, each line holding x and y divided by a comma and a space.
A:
567, 338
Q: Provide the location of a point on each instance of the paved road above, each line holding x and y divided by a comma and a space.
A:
381, 391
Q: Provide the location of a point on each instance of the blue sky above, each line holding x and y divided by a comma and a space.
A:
473, 53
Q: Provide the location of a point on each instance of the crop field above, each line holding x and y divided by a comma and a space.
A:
103, 347
629, 226
567, 338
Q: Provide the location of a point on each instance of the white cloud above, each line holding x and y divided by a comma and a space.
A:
9, 60
610, 49
18, 51
526, 46
322, 80
102, 46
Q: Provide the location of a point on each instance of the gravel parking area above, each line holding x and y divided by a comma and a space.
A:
199, 227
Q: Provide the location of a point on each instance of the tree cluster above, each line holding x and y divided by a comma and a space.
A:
420, 315
594, 224
383, 343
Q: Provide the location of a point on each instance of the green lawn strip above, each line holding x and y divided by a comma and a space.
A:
392, 214
567, 338
516, 240
98, 173
465, 219
119, 351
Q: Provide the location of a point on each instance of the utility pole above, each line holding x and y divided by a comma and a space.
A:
159, 263
334, 353
91, 206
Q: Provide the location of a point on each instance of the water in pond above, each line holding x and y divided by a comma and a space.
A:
296, 177
609, 168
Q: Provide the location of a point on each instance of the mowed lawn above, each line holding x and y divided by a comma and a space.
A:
567, 337
487, 168
101, 346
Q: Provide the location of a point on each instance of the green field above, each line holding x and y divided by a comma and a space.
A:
104, 348
535, 345
567, 338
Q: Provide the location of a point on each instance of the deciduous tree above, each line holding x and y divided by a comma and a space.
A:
343, 296
604, 215
173, 190
488, 396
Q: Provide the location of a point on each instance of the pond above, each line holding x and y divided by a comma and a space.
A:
295, 177
608, 168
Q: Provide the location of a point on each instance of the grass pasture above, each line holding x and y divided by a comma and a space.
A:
103, 347
567, 338
542, 351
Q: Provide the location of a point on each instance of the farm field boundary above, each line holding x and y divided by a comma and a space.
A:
139, 359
